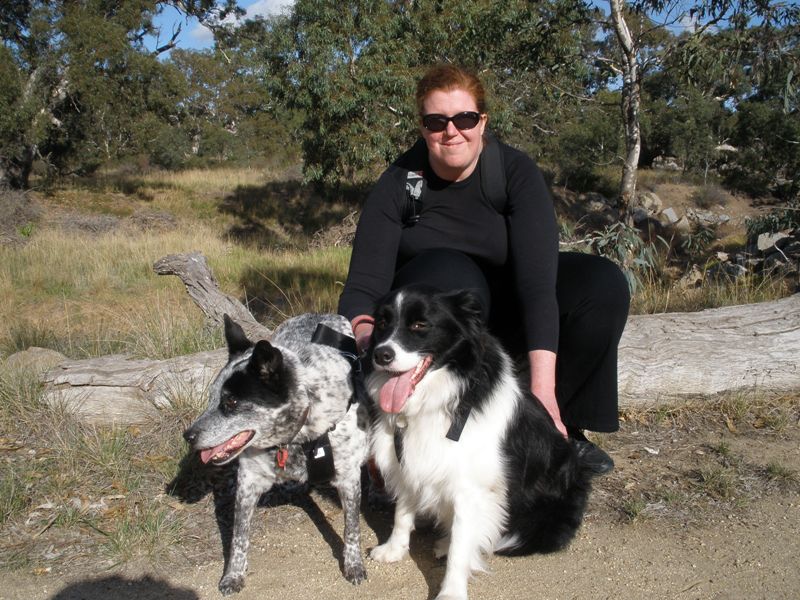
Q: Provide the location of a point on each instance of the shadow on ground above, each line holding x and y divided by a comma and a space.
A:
195, 481
279, 212
286, 291
121, 588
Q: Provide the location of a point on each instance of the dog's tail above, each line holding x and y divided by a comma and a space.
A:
549, 487
545, 522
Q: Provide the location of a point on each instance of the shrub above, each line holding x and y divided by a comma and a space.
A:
710, 195
786, 217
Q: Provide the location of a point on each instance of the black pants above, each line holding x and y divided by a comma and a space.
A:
593, 301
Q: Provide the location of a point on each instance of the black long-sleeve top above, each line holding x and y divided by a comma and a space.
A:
455, 215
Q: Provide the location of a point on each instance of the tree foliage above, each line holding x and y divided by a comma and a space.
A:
80, 82
350, 69
78, 87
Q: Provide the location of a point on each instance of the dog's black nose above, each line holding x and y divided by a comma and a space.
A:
190, 436
383, 356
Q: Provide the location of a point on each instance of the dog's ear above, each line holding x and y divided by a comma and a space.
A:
466, 303
234, 335
266, 362
467, 307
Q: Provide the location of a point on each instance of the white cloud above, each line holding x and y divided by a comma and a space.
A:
201, 37
265, 8
687, 22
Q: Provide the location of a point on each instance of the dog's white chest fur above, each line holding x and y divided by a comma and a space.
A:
438, 472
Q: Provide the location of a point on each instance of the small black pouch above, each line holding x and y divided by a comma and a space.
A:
319, 460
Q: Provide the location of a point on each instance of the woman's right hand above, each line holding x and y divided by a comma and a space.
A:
362, 331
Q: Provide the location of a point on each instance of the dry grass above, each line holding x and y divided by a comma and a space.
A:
657, 296
691, 462
90, 294
70, 492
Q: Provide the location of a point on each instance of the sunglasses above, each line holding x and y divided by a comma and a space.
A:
462, 121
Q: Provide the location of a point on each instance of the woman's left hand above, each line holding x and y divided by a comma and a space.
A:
551, 406
543, 384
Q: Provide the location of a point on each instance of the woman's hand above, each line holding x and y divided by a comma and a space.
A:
543, 384
362, 331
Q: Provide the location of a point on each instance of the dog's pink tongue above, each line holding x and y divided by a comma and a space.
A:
209, 453
228, 446
396, 391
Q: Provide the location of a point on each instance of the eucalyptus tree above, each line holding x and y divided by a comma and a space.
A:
349, 69
77, 75
734, 47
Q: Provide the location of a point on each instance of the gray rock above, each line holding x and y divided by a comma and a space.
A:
770, 241
650, 202
670, 216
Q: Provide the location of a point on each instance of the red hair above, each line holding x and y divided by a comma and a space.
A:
446, 77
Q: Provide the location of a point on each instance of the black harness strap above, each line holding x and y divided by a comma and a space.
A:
459, 421
318, 453
457, 425
346, 345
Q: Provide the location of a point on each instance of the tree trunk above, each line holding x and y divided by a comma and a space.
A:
631, 102
15, 172
202, 287
663, 358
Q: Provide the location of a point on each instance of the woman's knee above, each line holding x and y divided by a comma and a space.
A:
446, 270
591, 280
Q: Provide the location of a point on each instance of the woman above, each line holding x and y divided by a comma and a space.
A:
566, 310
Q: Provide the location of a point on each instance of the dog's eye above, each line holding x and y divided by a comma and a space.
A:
228, 402
419, 326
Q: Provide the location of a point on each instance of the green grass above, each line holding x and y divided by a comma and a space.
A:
633, 508
716, 481
150, 533
779, 472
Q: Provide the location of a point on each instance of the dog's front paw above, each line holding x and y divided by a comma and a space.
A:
388, 553
355, 573
450, 597
231, 584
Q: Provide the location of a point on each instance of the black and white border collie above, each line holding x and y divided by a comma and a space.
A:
459, 439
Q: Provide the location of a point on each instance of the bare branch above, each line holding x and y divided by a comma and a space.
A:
173, 41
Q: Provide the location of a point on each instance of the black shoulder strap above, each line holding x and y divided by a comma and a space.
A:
493, 178
493, 174
413, 162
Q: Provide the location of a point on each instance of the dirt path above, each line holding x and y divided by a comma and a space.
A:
699, 510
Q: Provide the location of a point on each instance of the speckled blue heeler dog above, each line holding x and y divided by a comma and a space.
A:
266, 403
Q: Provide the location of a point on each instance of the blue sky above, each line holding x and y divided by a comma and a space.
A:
195, 36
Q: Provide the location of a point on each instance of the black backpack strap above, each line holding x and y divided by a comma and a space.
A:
413, 163
493, 174
493, 178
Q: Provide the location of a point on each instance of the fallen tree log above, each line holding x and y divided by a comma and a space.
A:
678, 356
662, 358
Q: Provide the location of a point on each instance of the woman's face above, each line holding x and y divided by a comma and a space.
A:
453, 153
